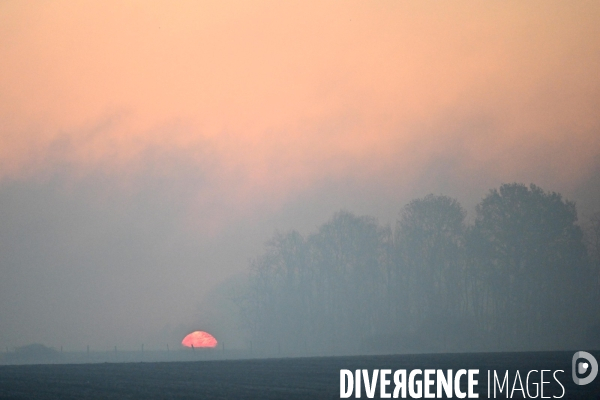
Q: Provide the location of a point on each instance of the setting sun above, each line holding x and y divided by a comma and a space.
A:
199, 339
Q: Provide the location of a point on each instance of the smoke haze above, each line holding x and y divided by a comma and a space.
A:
148, 151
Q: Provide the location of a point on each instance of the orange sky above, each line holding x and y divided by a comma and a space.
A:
269, 99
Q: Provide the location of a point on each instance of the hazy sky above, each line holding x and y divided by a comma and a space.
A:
148, 149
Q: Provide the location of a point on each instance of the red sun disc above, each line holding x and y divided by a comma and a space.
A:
199, 339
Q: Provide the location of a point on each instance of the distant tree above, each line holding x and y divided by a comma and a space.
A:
531, 252
429, 238
348, 255
592, 235
36, 349
324, 292
33, 353
275, 303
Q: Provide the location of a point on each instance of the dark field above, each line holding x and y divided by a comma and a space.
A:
292, 378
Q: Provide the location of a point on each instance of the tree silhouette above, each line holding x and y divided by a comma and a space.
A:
518, 278
532, 254
347, 255
592, 234
429, 240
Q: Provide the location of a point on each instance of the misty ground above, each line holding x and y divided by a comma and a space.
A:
290, 378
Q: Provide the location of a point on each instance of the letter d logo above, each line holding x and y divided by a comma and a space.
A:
583, 367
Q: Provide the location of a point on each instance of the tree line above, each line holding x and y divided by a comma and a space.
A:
524, 275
